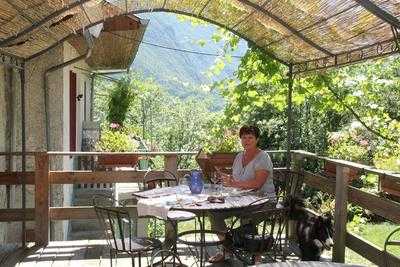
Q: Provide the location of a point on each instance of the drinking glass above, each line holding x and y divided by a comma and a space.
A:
217, 183
181, 190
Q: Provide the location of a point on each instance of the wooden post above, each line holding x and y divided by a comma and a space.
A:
9, 104
41, 199
296, 167
171, 164
342, 176
289, 113
380, 182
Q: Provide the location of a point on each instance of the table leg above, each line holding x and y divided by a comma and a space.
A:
174, 245
170, 235
202, 237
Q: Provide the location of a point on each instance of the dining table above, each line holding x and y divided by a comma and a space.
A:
159, 202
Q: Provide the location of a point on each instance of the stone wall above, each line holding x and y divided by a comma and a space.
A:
3, 197
58, 87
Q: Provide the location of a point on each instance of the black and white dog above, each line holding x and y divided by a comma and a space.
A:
314, 233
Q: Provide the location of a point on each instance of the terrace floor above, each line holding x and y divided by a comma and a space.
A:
90, 253
84, 253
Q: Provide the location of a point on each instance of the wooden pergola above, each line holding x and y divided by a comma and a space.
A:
305, 36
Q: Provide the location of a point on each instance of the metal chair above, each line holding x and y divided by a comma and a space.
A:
153, 179
389, 242
121, 238
260, 232
106, 200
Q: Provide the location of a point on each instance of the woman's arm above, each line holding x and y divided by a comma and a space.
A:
256, 183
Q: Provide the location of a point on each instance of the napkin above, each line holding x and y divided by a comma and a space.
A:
155, 207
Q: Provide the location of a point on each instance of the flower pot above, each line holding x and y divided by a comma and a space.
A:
118, 160
208, 161
222, 159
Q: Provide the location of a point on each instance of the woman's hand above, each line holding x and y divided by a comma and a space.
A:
223, 177
227, 179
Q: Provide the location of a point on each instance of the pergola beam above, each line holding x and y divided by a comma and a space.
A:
385, 48
204, 7
378, 12
289, 114
41, 22
286, 25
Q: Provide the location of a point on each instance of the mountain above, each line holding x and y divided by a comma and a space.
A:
182, 74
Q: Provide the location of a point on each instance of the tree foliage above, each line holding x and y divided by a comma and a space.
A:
323, 104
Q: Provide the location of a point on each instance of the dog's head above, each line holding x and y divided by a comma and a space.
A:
324, 230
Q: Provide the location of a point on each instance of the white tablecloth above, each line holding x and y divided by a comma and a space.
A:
156, 207
159, 201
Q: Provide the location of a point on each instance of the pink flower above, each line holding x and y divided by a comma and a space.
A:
364, 142
114, 125
335, 137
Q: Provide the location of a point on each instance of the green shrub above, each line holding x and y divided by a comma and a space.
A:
222, 141
116, 141
348, 151
352, 144
388, 158
119, 102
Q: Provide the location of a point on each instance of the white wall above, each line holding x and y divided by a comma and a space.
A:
82, 77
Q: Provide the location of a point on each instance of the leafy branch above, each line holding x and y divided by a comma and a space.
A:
352, 111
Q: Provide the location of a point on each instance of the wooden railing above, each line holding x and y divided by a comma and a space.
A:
42, 178
338, 186
344, 193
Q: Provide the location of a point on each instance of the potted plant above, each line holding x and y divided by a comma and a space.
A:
220, 152
116, 140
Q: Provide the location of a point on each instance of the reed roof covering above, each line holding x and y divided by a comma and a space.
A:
116, 46
308, 34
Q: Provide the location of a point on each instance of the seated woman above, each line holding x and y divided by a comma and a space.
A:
252, 169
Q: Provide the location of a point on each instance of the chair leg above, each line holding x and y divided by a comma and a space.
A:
111, 257
133, 260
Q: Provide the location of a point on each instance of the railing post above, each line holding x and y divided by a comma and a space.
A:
342, 174
42, 199
296, 167
171, 164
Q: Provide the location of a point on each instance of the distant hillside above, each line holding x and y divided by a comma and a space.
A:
183, 74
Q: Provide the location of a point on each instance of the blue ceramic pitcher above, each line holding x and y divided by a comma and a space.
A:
195, 181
